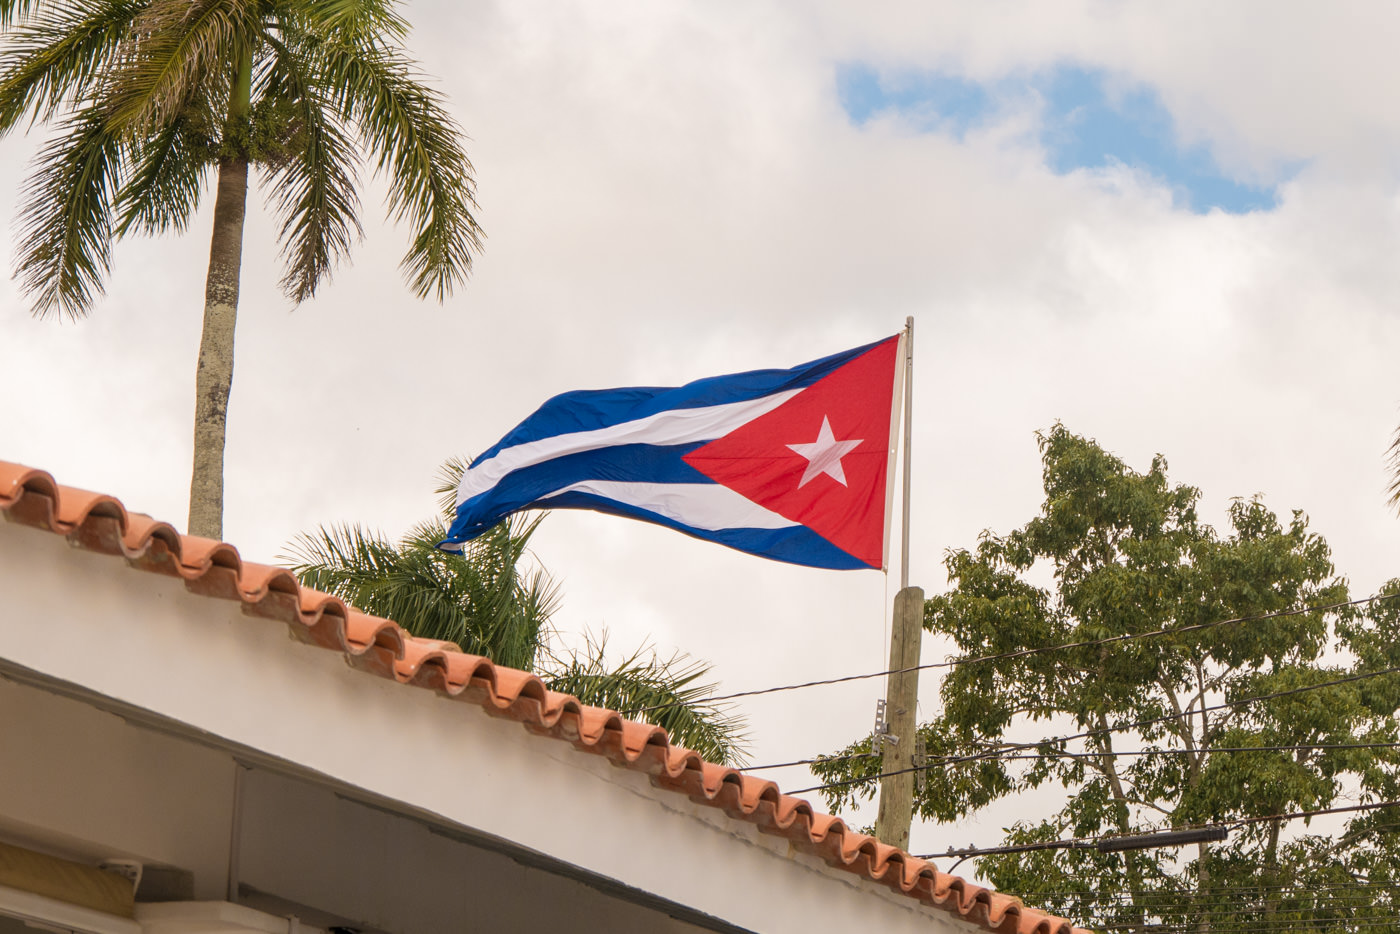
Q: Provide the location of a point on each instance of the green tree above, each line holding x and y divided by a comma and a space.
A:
151, 96
482, 600
1115, 553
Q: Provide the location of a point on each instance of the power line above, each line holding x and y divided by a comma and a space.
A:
1019, 653
1294, 815
992, 753
1108, 843
1224, 908
1351, 895
1221, 904
1249, 919
1288, 889
784, 765
1259, 926
1081, 842
1233, 923
1205, 905
1201, 908
1244, 920
1093, 755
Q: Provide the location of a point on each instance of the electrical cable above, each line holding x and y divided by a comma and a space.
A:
1201, 912
1350, 896
1235, 924
1265, 888
1246, 919
1075, 842
1238, 918
1094, 755
1019, 653
1241, 915
992, 753
1197, 913
1254, 927
1193, 916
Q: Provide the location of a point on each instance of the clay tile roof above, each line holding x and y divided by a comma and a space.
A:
101, 523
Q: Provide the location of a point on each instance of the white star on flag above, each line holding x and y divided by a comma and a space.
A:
824, 455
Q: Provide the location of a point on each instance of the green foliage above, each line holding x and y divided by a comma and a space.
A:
643, 681
149, 94
1116, 552
481, 600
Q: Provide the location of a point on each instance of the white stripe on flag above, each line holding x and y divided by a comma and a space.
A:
673, 426
706, 506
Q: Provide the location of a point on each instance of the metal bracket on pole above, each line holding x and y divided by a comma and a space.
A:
920, 762
883, 736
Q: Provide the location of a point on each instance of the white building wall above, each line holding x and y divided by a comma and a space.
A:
143, 640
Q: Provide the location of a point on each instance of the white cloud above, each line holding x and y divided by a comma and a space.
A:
1265, 84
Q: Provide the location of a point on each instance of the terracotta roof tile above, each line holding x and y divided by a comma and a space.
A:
101, 523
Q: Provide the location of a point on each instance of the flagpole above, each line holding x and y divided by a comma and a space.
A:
908, 458
896, 737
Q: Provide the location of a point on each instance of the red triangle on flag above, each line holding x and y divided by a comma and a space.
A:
793, 459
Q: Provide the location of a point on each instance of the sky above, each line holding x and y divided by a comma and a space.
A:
1171, 227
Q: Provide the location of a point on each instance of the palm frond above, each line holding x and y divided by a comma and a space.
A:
57, 57
478, 600
1394, 457
513, 607
347, 19
416, 144
16, 11
66, 218
314, 178
347, 561
167, 175
172, 49
643, 680
449, 479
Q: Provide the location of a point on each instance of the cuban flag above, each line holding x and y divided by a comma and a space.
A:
792, 465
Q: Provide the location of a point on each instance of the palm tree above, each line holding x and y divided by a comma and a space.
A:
150, 95
482, 600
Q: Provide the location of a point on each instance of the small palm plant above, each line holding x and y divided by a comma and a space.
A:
669, 692
482, 600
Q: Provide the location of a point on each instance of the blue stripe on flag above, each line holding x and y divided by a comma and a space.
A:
590, 409
794, 545
624, 462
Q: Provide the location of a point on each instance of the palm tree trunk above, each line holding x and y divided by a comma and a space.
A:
214, 377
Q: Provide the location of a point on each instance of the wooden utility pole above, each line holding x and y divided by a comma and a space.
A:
902, 686
901, 700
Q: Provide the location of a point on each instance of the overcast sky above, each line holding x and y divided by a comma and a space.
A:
1173, 227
